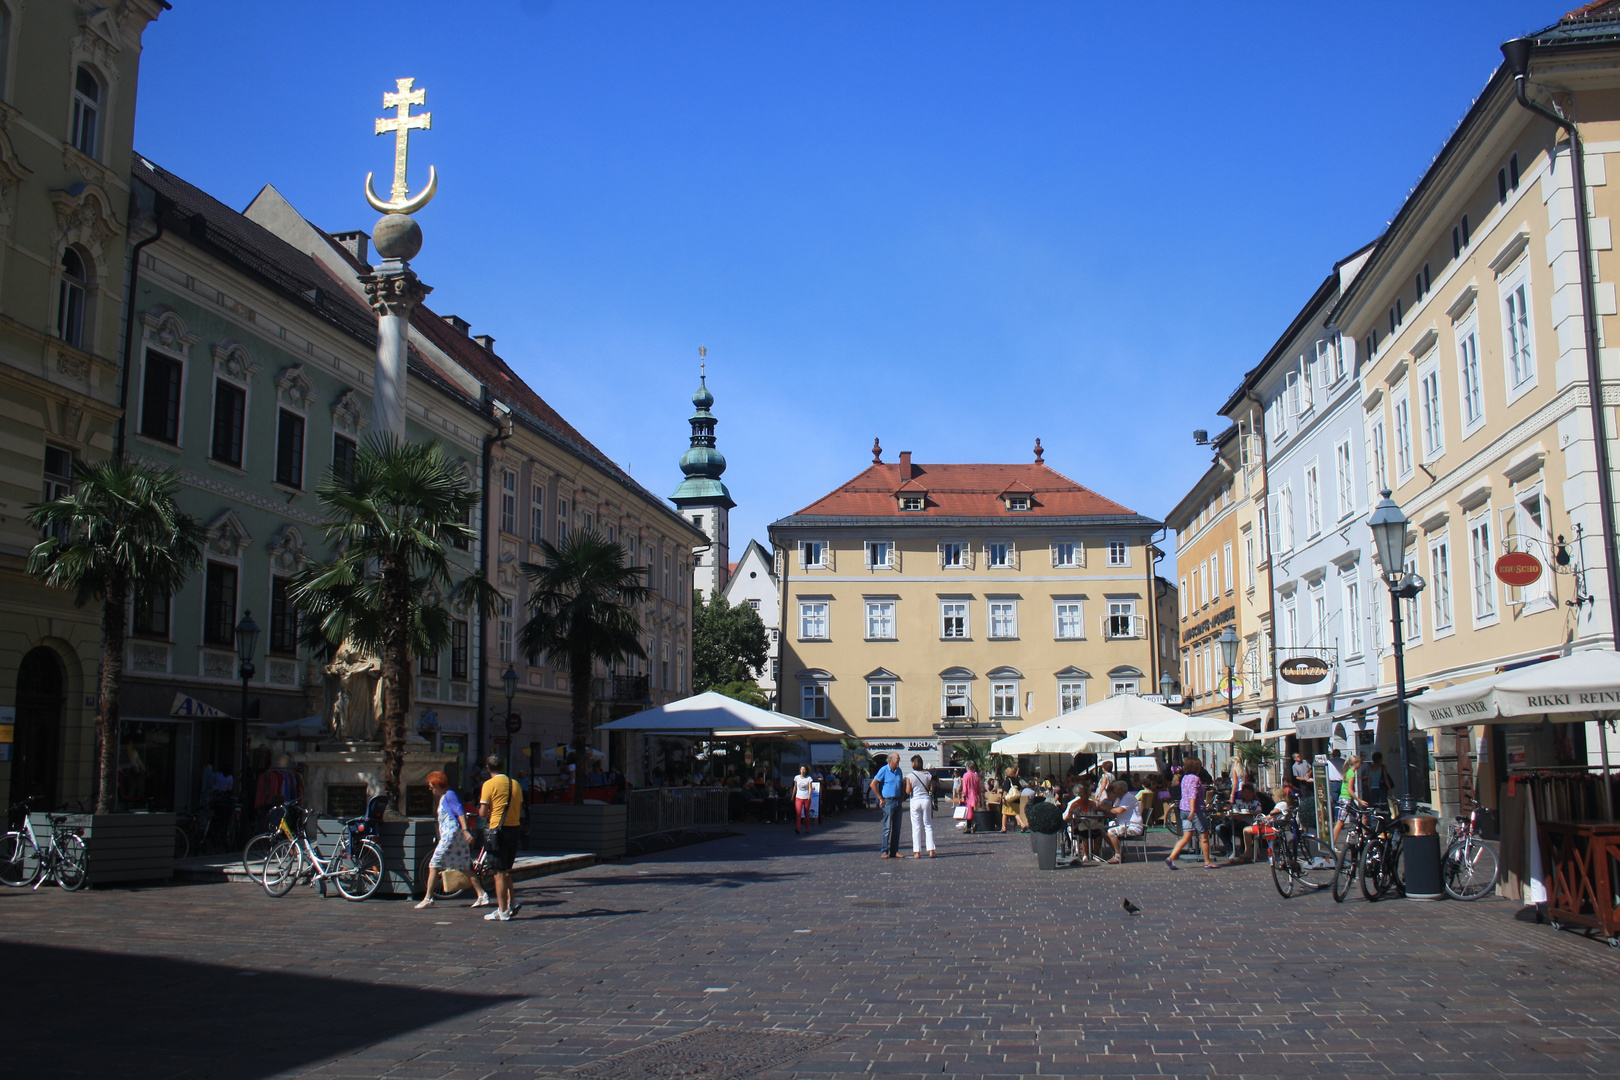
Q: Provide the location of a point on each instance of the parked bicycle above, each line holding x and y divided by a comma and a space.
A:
1349, 859
354, 863
214, 827
1298, 859
281, 824
1468, 870
1380, 863
25, 861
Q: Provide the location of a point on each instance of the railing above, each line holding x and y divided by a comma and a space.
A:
619, 688
656, 810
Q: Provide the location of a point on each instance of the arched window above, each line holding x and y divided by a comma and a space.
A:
70, 304
86, 111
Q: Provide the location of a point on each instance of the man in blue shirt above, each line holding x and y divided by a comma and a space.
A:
888, 785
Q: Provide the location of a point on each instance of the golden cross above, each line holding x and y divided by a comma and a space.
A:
401, 125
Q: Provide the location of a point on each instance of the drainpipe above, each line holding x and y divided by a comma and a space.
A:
1259, 414
1517, 52
502, 432
129, 314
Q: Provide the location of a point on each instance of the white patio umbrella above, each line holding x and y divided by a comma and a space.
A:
1048, 738
1190, 729
713, 713
1122, 712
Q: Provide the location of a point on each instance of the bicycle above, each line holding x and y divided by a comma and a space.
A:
24, 861
256, 852
1297, 857
355, 865
1380, 866
1349, 857
1469, 868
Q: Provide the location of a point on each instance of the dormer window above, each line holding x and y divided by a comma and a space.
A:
1018, 502
911, 502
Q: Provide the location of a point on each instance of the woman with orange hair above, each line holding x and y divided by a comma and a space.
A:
453, 851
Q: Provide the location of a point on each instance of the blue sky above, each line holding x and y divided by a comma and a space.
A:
953, 226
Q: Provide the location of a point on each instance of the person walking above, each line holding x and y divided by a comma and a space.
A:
888, 786
920, 793
1376, 783
501, 805
1194, 815
454, 851
803, 787
1349, 794
969, 791
1011, 806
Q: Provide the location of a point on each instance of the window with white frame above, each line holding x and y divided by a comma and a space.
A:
1214, 577
1226, 567
1121, 620
880, 701
1376, 620
955, 700
504, 629
813, 620
1249, 565
1003, 619
812, 554
1468, 379
1071, 696
1070, 619
508, 501
1517, 344
953, 555
1003, 699
911, 502
1526, 526
1341, 364
1119, 553
1377, 464
1344, 479
1352, 616
1313, 499
86, 125
1122, 687
953, 619
1285, 518
880, 620
998, 555
1403, 437
1481, 567
1411, 610
1066, 554
1198, 572
1434, 436
1319, 617
1440, 583
1306, 384
537, 515
1290, 623
813, 701
1181, 594
562, 520
879, 554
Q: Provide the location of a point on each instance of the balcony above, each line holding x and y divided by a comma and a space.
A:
620, 688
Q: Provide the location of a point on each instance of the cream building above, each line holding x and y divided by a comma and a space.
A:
67, 113
942, 602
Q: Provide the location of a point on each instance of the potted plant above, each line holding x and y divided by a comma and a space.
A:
1045, 822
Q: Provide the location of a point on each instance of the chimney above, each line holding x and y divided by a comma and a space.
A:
486, 341
356, 243
905, 465
459, 323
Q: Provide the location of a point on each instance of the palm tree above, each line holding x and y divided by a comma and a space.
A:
580, 611
394, 514
119, 535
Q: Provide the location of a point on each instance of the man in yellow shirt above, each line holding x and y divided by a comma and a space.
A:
501, 804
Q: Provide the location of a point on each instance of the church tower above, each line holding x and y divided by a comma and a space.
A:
703, 497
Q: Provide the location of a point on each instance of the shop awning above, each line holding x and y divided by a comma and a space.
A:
1584, 686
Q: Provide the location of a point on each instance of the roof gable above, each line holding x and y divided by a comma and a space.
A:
964, 490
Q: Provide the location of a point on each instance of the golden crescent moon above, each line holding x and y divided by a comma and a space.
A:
404, 206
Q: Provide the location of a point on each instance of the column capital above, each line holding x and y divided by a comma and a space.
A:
394, 290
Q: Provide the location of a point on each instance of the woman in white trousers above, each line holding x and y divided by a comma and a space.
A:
920, 786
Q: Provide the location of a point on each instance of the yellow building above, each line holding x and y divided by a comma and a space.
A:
67, 113
929, 602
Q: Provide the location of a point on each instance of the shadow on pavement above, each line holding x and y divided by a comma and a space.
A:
109, 1014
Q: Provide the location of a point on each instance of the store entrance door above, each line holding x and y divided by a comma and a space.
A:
41, 702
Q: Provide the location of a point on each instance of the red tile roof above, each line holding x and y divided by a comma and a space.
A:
963, 491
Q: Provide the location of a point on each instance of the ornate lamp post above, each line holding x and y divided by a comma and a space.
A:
1421, 848
247, 642
1229, 651
509, 681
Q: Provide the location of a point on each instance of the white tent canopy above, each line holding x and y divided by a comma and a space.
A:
1122, 712
1189, 729
713, 713
1048, 738
1582, 686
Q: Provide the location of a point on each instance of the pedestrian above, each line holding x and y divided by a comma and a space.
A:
454, 849
1194, 815
1375, 781
968, 789
803, 787
920, 791
1026, 799
888, 786
501, 807
1349, 794
1128, 810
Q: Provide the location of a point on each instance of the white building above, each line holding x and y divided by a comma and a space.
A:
754, 582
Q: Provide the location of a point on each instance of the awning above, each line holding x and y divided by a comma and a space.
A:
1583, 686
1277, 733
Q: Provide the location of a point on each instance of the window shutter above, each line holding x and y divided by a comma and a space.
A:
967, 554
1053, 550
939, 553
803, 561
894, 555
828, 555
1012, 554
1272, 534
1079, 552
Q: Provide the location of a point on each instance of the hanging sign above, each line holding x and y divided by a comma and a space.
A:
1231, 686
1303, 670
1518, 568
514, 722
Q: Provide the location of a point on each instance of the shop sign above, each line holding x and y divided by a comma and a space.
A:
514, 722
1303, 670
185, 705
927, 749
1518, 568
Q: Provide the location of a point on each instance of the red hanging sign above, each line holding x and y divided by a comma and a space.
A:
1518, 568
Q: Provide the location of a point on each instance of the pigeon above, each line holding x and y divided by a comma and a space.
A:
1130, 908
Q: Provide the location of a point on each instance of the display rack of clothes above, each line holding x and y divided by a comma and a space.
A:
276, 786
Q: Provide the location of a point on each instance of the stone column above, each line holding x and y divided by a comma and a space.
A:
394, 291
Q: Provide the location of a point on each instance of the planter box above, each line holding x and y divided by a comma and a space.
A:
593, 829
121, 847
1045, 845
987, 820
403, 844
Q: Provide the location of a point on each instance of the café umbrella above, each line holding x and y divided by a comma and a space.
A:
1048, 738
715, 714
1189, 729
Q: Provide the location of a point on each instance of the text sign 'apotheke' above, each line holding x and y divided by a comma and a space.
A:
1518, 568
1303, 670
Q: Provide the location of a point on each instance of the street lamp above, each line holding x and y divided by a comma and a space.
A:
1166, 684
1421, 847
247, 641
1229, 651
509, 681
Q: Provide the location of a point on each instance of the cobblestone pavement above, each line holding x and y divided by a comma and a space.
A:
970, 964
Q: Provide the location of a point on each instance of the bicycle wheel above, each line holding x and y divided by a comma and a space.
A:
256, 855
282, 868
20, 863
182, 844
1469, 869
73, 863
1370, 870
1344, 869
1314, 862
359, 871
1282, 868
